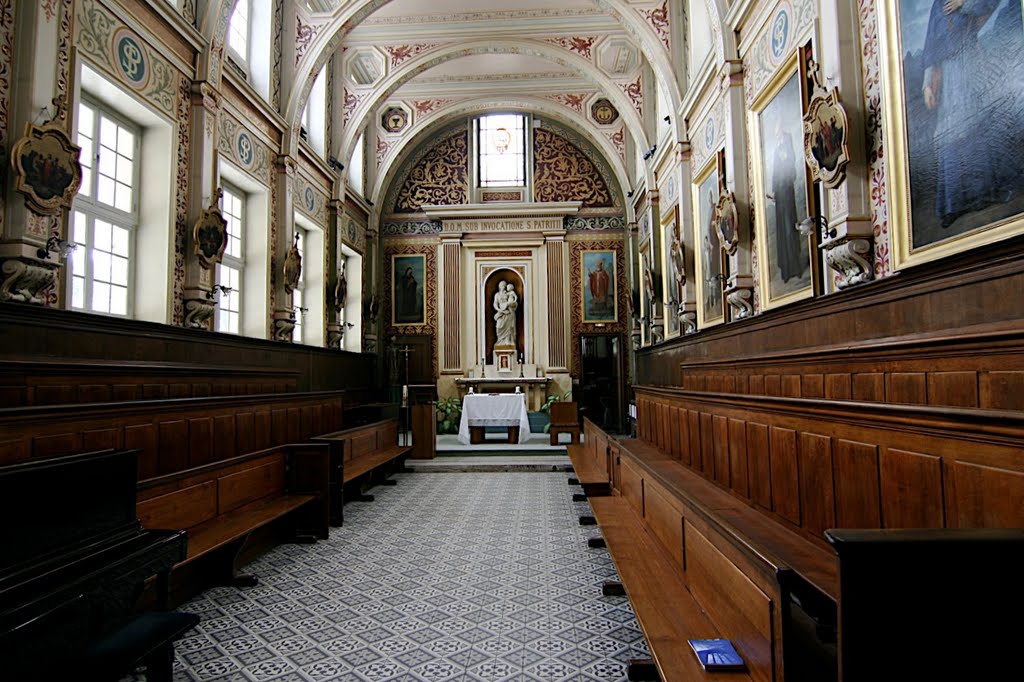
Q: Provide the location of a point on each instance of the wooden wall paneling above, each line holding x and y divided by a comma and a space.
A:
263, 431
180, 390
758, 458
812, 386
200, 444
791, 385
856, 485
631, 484
734, 603
173, 448
294, 433
988, 497
123, 393
57, 394
245, 429
720, 426
738, 457
838, 387
144, 437
907, 387
817, 495
224, 437
956, 389
707, 454
869, 387
278, 427
94, 393
1002, 390
664, 519
101, 439
756, 382
693, 453
912, 490
154, 391
56, 444
785, 474
673, 428
773, 385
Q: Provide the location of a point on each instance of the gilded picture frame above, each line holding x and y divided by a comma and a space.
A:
673, 268
956, 176
707, 260
598, 287
408, 289
46, 168
781, 189
210, 234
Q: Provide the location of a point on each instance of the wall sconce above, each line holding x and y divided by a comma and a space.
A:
629, 194
335, 164
349, 325
668, 119
56, 245
650, 152
715, 278
808, 224
300, 310
218, 289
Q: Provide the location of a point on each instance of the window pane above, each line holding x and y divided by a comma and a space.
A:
125, 142
85, 158
101, 235
86, 119
78, 229
105, 190
101, 297
77, 292
101, 265
119, 271
124, 170
119, 300
502, 152
123, 200
119, 241
78, 261
108, 161
86, 189
108, 133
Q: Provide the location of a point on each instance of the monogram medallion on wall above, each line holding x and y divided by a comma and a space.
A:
130, 59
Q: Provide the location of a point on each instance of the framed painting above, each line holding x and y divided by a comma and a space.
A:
953, 88
708, 248
781, 190
598, 284
408, 289
674, 269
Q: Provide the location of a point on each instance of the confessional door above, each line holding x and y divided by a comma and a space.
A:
600, 392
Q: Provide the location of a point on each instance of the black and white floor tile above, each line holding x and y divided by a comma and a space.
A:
475, 577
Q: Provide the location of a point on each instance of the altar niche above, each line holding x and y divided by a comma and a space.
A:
512, 280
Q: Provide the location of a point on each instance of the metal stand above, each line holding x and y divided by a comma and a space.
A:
405, 411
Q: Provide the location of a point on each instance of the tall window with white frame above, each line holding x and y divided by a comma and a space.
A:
229, 270
105, 214
501, 147
297, 306
239, 32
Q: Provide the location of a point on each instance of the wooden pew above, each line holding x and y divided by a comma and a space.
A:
223, 504
362, 456
590, 461
757, 581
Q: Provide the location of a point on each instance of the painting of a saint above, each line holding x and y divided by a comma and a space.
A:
408, 292
709, 249
598, 286
963, 87
783, 195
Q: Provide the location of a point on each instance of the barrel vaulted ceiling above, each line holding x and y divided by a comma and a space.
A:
404, 67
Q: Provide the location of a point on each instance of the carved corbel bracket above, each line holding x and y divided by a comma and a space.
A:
851, 258
687, 313
335, 335
25, 281
199, 312
284, 323
739, 292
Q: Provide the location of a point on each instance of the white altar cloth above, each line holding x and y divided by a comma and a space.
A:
494, 409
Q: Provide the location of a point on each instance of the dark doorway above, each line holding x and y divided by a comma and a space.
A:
600, 389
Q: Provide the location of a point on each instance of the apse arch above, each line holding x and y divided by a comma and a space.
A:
446, 53
413, 143
533, 105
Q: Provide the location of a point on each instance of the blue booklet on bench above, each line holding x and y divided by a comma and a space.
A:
717, 654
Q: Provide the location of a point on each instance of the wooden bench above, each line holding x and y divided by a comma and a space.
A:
590, 461
360, 457
221, 505
564, 419
668, 614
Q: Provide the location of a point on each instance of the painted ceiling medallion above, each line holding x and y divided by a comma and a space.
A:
395, 119
603, 112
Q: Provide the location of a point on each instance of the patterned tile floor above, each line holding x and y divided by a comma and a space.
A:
446, 577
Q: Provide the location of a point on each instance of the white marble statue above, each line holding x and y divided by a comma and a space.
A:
505, 304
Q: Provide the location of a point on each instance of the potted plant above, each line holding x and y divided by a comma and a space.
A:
449, 414
545, 409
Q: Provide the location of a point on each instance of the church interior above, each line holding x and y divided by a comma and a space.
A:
540, 340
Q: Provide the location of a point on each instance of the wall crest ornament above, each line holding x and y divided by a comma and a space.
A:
293, 266
726, 219
210, 234
46, 165
826, 131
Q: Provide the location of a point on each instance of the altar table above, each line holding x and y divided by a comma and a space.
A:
494, 409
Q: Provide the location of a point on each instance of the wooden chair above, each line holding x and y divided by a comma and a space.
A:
564, 419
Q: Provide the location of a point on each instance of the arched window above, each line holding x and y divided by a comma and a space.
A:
501, 150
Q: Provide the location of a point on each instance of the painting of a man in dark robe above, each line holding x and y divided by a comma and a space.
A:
408, 293
962, 62
785, 187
